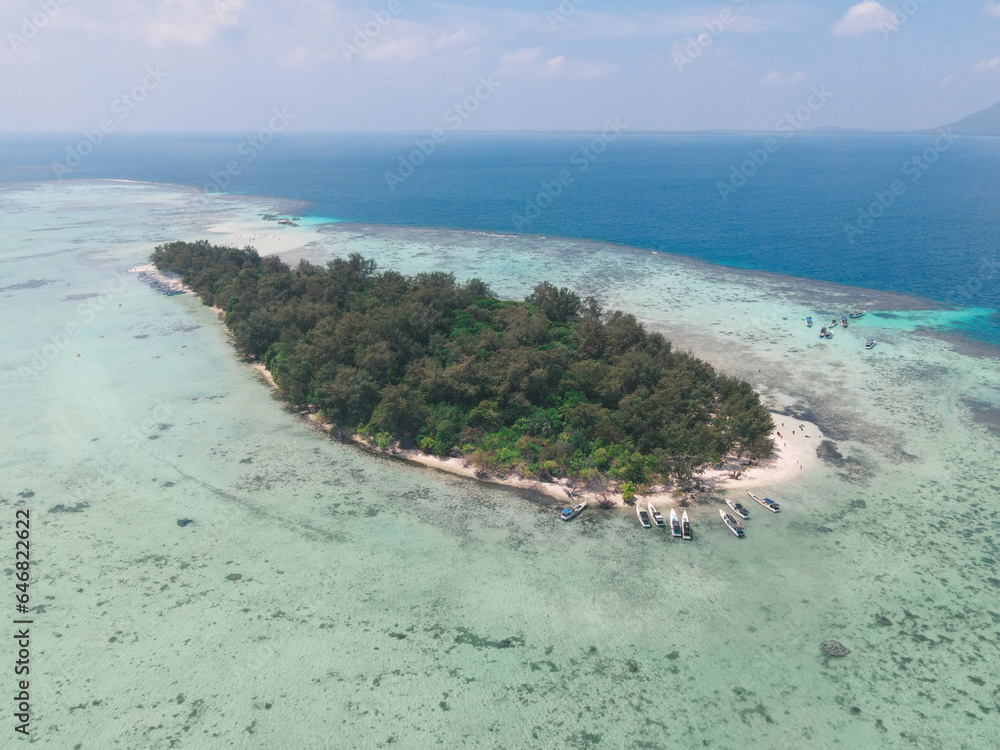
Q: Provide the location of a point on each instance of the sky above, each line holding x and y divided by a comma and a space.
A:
203, 66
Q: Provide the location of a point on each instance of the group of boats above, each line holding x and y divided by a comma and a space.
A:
649, 516
826, 332
652, 517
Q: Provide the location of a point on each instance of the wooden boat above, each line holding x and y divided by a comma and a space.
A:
809, 322
642, 516
675, 525
843, 321
833, 323
857, 313
573, 512
655, 515
870, 344
732, 523
766, 502
738, 508
685, 527
822, 332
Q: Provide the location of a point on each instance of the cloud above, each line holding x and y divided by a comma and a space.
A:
530, 63
992, 8
185, 23
777, 78
987, 66
865, 17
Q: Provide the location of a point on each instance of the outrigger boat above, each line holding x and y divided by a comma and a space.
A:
870, 344
738, 509
573, 512
843, 321
809, 322
675, 525
655, 515
766, 502
857, 313
685, 527
732, 523
642, 516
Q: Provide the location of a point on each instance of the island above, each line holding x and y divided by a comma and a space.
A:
552, 388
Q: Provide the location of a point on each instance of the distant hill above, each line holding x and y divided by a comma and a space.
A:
986, 122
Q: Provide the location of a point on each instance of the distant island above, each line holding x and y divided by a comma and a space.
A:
551, 387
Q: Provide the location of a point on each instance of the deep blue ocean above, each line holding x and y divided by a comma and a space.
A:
915, 214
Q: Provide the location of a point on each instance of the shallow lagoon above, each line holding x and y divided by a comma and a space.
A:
385, 605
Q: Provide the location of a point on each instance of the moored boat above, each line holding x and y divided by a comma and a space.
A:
573, 512
765, 501
843, 321
675, 525
828, 335
642, 515
833, 323
685, 527
822, 332
809, 322
738, 508
857, 313
734, 526
655, 515
870, 344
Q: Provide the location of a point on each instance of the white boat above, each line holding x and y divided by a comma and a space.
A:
675, 525
573, 512
766, 502
685, 527
642, 515
857, 313
655, 515
738, 508
732, 523
870, 344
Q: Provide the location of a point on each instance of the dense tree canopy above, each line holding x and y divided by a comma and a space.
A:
552, 386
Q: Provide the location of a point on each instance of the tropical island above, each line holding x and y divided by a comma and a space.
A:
552, 388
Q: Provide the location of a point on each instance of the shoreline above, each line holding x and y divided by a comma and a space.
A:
795, 443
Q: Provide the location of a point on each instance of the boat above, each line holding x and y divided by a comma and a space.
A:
732, 523
766, 502
828, 335
573, 512
655, 515
675, 525
822, 332
809, 322
685, 527
857, 313
843, 321
738, 509
642, 515
834, 323
870, 344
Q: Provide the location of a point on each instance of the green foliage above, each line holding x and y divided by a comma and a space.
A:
550, 386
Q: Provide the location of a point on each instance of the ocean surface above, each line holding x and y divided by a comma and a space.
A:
380, 605
810, 209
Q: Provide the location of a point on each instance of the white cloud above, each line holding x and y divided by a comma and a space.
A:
530, 63
865, 17
406, 49
987, 66
777, 78
187, 23
992, 8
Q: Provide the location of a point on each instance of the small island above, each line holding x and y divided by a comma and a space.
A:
553, 388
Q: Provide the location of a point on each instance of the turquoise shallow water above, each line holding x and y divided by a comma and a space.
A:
382, 605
